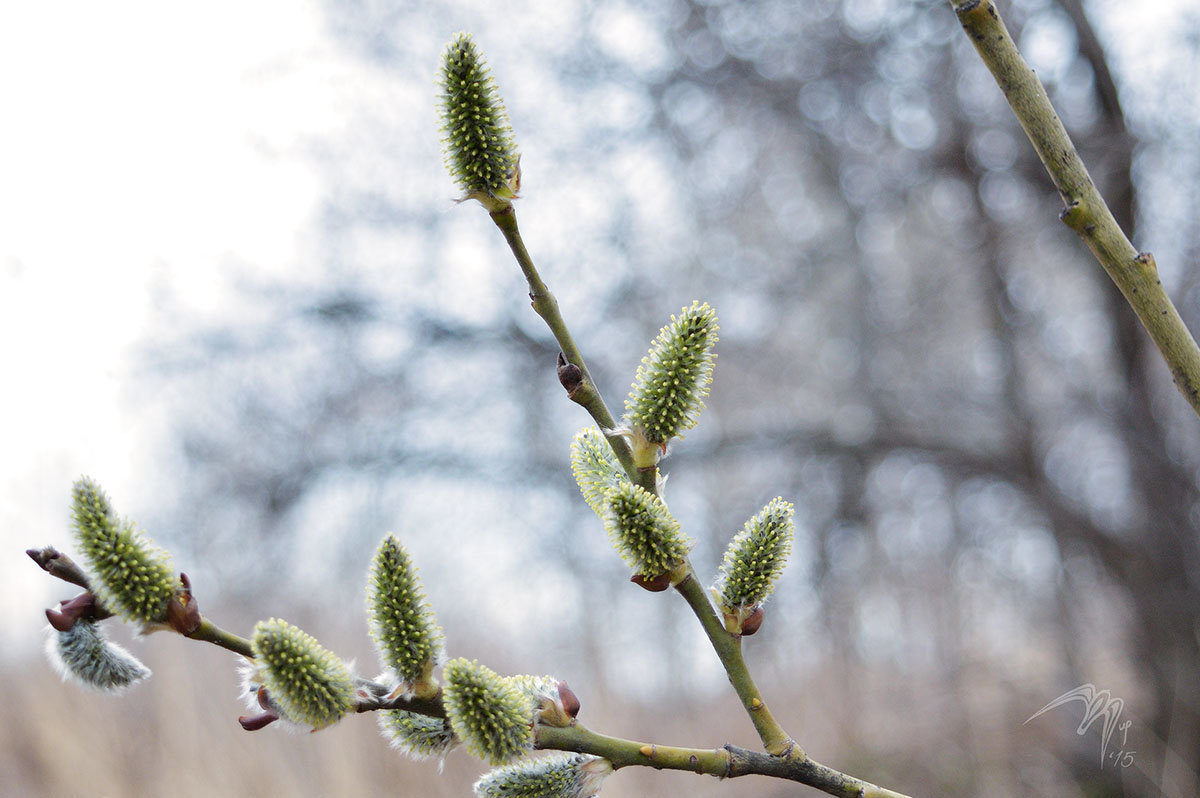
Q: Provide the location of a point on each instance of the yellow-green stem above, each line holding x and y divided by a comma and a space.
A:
211, 633
1136, 275
587, 394
726, 762
729, 650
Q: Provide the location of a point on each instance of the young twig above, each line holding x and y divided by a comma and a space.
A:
726, 762
1086, 212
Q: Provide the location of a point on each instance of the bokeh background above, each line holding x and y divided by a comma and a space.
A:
235, 290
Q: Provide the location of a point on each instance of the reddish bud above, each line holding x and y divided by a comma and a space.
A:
570, 375
752, 622
570, 701
256, 722
71, 610
655, 584
183, 613
60, 620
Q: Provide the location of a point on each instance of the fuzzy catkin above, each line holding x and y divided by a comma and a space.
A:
477, 136
755, 557
130, 575
560, 775
418, 736
673, 378
595, 467
309, 684
401, 620
84, 654
643, 531
487, 711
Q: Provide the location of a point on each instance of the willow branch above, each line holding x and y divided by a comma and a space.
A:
59, 565
580, 386
726, 762
209, 632
1135, 274
729, 650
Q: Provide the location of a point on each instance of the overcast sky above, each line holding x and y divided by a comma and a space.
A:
135, 148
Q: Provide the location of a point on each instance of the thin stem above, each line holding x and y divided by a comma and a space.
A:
1136, 275
726, 762
59, 565
729, 650
584, 391
374, 696
209, 632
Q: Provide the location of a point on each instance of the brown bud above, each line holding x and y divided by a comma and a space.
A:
656, 584
183, 613
60, 620
752, 622
570, 701
570, 375
55, 563
71, 610
256, 722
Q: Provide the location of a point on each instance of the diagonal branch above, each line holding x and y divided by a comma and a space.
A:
1134, 273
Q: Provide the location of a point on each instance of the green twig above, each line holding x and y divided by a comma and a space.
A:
209, 632
729, 650
1135, 274
581, 388
725, 763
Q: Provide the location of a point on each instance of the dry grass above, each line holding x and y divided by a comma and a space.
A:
177, 735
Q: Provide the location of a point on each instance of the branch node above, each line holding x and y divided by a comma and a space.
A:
1147, 262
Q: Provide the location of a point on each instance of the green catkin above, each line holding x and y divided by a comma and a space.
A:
476, 134
308, 683
643, 531
755, 558
402, 622
487, 711
418, 736
672, 381
561, 775
595, 467
130, 575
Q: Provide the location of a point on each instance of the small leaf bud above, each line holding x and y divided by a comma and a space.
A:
655, 584
554, 704
183, 613
570, 375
